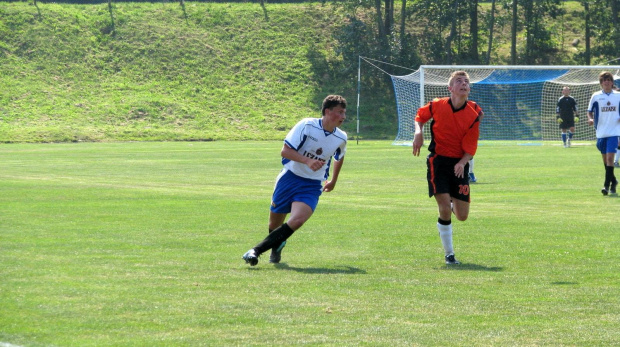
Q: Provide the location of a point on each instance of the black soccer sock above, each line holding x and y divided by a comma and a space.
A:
444, 222
279, 247
274, 239
609, 175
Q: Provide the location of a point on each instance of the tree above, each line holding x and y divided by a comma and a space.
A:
491, 27
473, 32
587, 54
452, 36
513, 33
605, 29
380, 27
389, 16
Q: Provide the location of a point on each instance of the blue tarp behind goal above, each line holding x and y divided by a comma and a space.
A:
521, 76
512, 100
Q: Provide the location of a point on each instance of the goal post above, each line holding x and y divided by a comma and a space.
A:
519, 102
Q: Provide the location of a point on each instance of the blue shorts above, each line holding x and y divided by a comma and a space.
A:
290, 188
607, 144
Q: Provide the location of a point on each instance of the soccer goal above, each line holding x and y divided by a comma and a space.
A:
519, 102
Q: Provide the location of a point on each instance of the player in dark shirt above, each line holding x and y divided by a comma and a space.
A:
566, 116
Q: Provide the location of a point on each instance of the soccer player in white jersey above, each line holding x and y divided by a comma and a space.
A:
307, 156
604, 115
617, 158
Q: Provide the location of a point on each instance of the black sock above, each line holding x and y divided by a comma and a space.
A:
275, 238
609, 175
444, 222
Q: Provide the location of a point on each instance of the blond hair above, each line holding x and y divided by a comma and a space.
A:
455, 74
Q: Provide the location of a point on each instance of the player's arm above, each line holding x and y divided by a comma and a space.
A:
291, 154
590, 118
331, 184
575, 114
557, 113
470, 146
418, 138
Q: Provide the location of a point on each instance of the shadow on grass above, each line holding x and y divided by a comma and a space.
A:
473, 267
347, 270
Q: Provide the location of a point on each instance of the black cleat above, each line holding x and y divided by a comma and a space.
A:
451, 260
604, 191
612, 189
276, 254
250, 257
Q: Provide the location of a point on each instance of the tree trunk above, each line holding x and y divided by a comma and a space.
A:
452, 33
403, 34
513, 44
530, 28
382, 36
389, 16
586, 8
615, 4
473, 31
491, 27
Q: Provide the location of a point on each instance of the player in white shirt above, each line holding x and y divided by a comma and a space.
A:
307, 156
604, 115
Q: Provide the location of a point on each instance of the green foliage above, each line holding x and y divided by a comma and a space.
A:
140, 244
226, 71
156, 72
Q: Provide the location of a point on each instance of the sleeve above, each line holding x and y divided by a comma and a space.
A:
340, 152
591, 104
424, 113
296, 136
574, 105
470, 140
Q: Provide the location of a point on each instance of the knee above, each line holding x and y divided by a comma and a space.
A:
296, 223
461, 217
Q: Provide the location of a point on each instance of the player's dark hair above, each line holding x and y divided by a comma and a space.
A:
605, 76
333, 101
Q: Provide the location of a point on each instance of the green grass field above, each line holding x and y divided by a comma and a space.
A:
140, 244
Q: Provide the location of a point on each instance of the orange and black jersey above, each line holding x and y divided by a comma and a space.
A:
454, 132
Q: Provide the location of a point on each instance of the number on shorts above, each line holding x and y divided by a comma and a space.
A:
463, 189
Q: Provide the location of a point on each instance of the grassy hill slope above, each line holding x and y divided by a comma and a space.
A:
159, 71
202, 71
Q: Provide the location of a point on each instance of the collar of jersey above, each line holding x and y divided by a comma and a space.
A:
327, 133
452, 106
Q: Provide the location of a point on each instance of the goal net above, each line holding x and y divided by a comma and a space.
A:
519, 102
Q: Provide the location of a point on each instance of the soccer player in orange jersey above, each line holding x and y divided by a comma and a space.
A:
455, 123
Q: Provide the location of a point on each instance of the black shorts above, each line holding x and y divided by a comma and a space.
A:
567, 122
441, 177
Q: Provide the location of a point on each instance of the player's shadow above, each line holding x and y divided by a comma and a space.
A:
473, 267
346, 270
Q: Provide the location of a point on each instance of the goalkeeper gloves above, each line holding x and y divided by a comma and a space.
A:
576, 119
559, 120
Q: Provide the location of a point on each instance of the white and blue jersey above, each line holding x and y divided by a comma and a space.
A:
309, 139
606, 110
